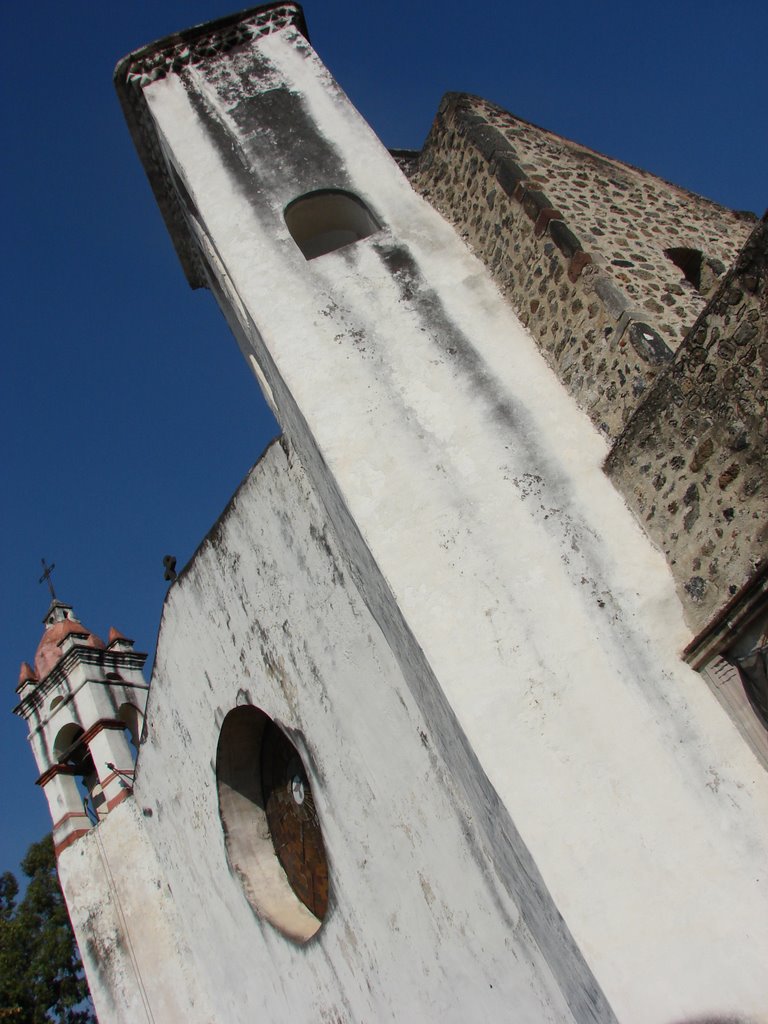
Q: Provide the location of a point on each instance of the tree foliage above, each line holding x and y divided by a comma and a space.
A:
41, 975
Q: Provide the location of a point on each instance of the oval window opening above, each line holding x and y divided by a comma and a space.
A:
324, 221
271, 827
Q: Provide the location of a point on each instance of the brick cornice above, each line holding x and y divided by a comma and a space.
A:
82, 654
59, 848
103, 723
122, 795
124, 773
53, 771
68, 816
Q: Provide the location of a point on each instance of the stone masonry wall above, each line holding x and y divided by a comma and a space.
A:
692, 462
576, 242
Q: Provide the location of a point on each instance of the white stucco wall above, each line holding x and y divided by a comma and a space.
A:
131, 940
419, 928
527, 612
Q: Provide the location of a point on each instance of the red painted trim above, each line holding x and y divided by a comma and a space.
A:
122, 795
53, 771
97, 727
116, 775
68, 815
58, 848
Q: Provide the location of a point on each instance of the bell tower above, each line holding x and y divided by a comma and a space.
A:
84, 703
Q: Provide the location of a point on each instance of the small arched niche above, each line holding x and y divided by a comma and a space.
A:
271, 827
323, 221
689, 262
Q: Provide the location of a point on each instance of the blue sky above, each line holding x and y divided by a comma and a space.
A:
128, 416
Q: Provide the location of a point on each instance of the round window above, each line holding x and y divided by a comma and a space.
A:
271, 826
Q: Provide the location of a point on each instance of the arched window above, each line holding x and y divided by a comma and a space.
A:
69, 749
134, 721
323, 221
271, 825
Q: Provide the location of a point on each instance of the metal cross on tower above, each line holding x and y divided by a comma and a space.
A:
46, 577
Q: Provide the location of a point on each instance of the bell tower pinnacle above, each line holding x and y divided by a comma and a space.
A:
84, 703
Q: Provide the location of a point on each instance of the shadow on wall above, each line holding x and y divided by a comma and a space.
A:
730, 1019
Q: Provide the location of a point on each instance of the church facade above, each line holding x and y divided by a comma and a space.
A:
459, 711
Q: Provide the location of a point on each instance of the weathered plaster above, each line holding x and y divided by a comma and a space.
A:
267, 613
131, 939
530, 807
537, 629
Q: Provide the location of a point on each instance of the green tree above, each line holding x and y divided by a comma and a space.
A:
41, 975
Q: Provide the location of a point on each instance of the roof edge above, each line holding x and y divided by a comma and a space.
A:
160, 55
459, 100
171, 54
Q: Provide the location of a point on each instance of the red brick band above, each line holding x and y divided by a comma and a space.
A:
58, 848
116, 775
67, 816
53, 771
97, 727
122, 795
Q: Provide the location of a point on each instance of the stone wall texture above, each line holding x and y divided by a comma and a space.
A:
692, 462
576, 241
669, 365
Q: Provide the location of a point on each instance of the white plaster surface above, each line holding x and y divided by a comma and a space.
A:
267, 614
138, 963
512, 589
